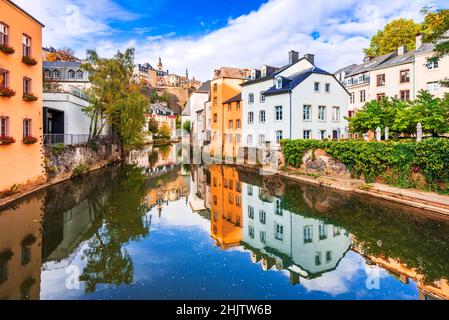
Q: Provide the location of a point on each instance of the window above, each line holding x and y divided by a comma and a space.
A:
279, 232
308, 234
215, 101
328, 256
56, 74
238, 105
79, 74
405, 76
250, 139
238, 187
432, 65
405, 95
215, 87
322, 231
263, 236
263, 71
3, 270
306, 134
26, 255
229, 106
4, 34
278, 113
433, 87
215, 117
250, 190
250, 117
253, 74
4, 79
327, 88
351, 113
47, 74
231, 198
279, 136
322, 113
71, 74
362, 95
215, 200
278, 207
352, 98
262, 217
250, 212
231, 184
238, 124
4, 126
231, 124
337, 231
279, 83
262, 116
318, 258
251, 232
239, 201
262, 97
307, 113
251, 98
380, 96
381, 80
316, 87
215, 182
27, 128
261, 138
322, 134
26, 46
336, 114
26, 85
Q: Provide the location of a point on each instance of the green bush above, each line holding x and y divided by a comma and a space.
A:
58, 148
394, 162
79, 170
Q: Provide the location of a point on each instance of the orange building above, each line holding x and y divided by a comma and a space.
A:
226, 206
20, 97
233, 126
224, 86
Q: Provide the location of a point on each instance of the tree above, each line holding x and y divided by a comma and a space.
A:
114, 98
435, 30
165, 131
64, 54
395, 34
432, 113
187, 126
153, 126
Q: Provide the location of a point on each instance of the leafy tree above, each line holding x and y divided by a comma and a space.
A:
165, 131
187, 126
432, 113
64, 54
395, 34
113, 97
435, 29
153, 126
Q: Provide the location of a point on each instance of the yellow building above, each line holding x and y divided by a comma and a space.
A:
224, 86
226, 206
21, 160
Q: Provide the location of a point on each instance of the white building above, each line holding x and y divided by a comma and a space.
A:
297, 101
306, 247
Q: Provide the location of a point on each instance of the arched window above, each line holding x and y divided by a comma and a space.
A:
71, 74
47, 74
79, 74
278, 83
56, 74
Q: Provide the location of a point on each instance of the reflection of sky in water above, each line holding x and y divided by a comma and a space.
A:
178, 260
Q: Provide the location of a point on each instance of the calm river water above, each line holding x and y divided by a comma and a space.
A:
157, 230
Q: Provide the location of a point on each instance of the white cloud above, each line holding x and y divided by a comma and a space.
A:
263, 36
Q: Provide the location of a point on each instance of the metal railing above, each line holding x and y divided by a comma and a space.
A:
72, 139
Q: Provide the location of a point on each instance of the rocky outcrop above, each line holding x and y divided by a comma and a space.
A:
318, 161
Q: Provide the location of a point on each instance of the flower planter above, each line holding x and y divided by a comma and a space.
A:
4, 140
29, 61
29, 97
7, 93
29, 140
7, 49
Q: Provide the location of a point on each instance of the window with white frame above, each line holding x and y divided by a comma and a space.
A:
79, 74
26, 85
279, 211
328, 256
262, 97
322, 231
250, 139
316, 87
362, 95
250, 190
4, 78
238, 124
327, 88
307, 113
318, 258
279, 232
26, 46
279, 136
307, 134
322, 134
352, 98
71, 74
251, 117
433, 86
335, 113
432, 65
251, 98
308, 234
4, 126
322, 113
261, 139
278, 83
262, 116
251, 232
262, 217
263, 71
4, 34
253, 74
263, 236
47, 74
278, 113
250, 212
27, 128
56, 74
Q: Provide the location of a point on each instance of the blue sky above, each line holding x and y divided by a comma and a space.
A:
203, 35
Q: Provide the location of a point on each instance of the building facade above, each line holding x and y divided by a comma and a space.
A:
297, 101
20, 97
62, 76
163, 115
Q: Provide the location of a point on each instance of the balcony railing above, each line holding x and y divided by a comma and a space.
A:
72, 139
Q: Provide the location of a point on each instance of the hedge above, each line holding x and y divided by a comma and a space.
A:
393, 162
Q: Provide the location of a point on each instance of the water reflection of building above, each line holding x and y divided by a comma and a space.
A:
199, 177
20, 250
154, 161
226, 206
277, 237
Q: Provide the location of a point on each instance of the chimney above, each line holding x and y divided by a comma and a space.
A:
418, 41
293, 57
310, 57
402, 50
366, 59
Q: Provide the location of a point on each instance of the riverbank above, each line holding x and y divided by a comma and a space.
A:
430, 202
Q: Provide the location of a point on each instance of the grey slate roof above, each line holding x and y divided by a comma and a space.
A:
186, 111
62, 64
234, 99
347, 69
161, 109
205, 87
372, 64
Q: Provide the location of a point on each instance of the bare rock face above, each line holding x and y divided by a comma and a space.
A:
318, 161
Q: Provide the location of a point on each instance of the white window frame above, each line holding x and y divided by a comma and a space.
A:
327, 88
315, 87
278, 113
309, 135
251, 98
250, 117
279, 136
262, 116
309, 108
336, 114
322, 119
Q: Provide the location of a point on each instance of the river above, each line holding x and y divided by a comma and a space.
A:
154, 229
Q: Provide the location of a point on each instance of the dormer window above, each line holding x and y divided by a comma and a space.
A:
263, 71
278, 83
56, 74
71, 74
253, 74
79, 74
